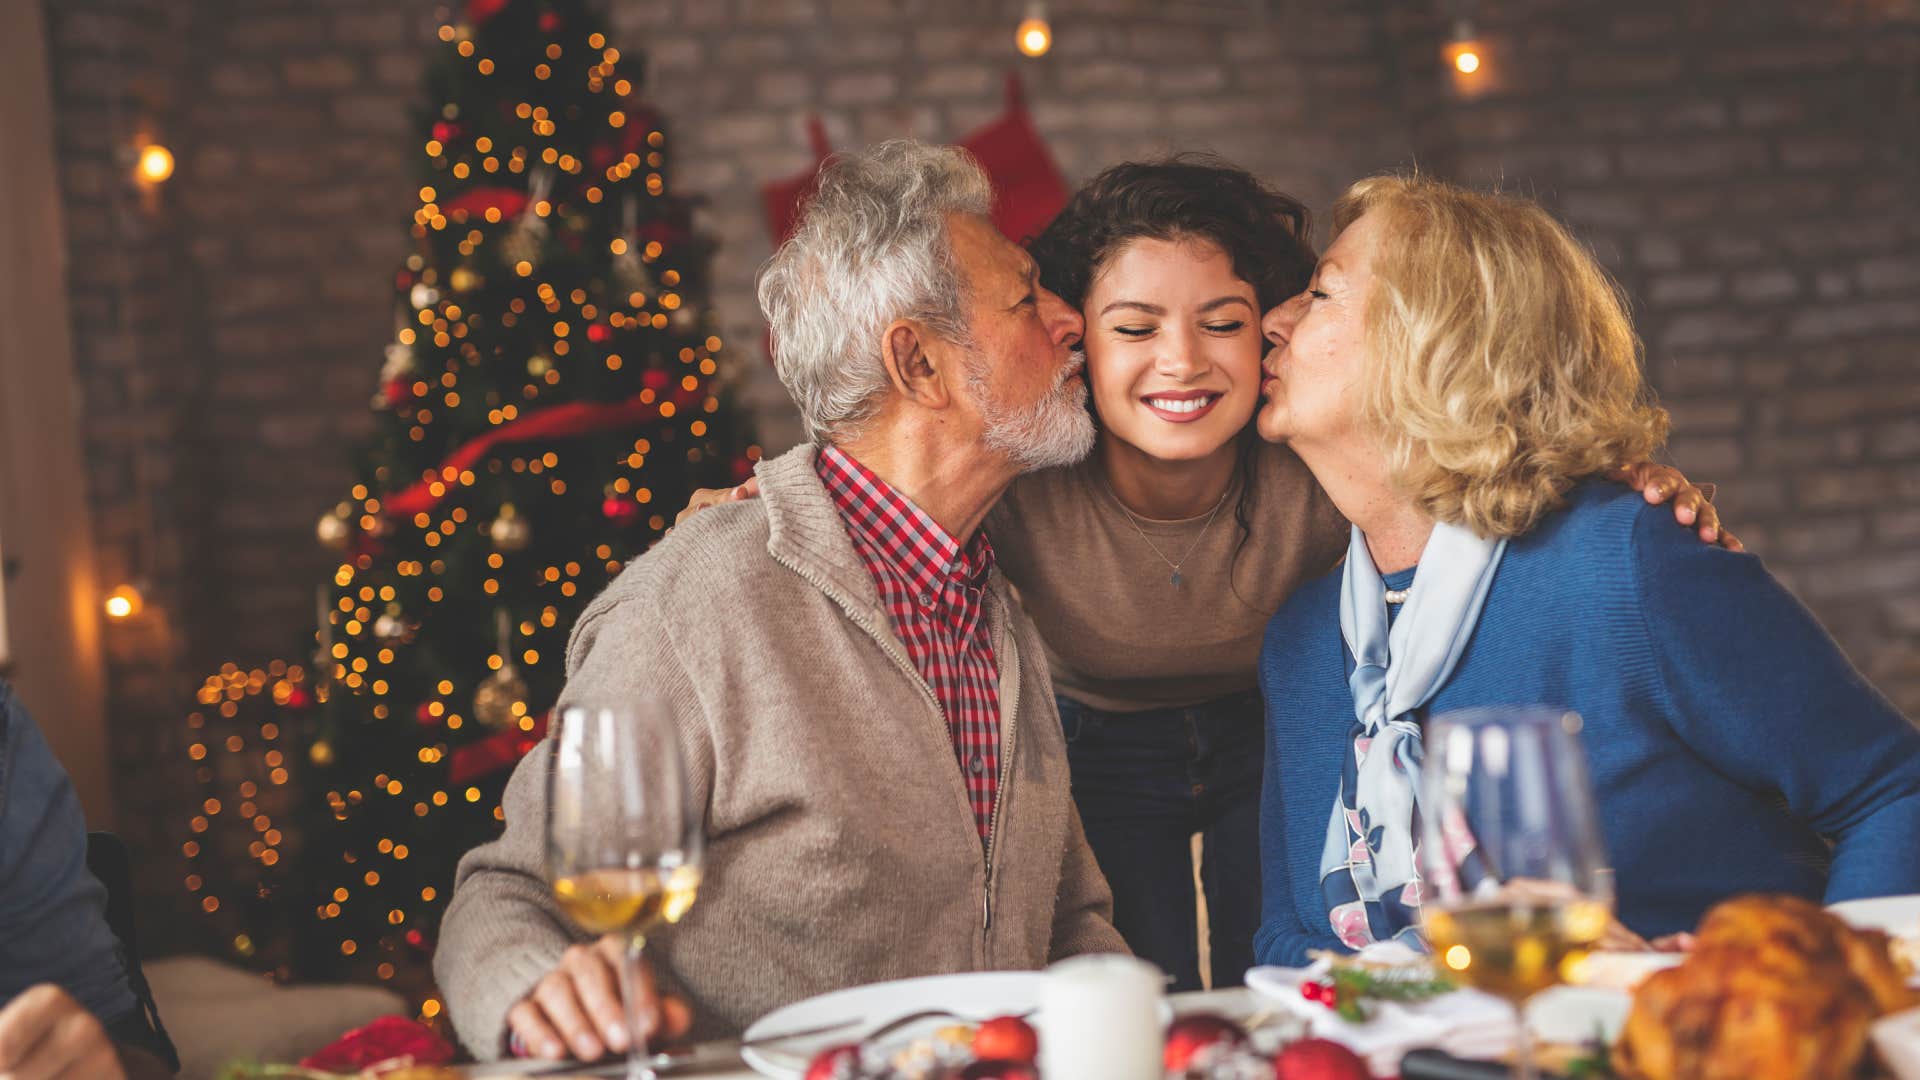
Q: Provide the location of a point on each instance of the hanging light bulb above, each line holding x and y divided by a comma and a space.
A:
1465, 53
154, 164
1035, 35
124, 603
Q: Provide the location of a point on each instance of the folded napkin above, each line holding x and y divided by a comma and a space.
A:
1897, 1038
1465, 1023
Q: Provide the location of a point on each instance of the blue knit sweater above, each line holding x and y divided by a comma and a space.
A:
1730, 740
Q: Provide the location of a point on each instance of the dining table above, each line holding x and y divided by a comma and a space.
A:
722, 1061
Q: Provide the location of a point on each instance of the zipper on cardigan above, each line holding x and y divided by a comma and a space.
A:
891, 646
999, 787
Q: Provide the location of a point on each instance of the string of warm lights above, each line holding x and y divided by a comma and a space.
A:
151, 166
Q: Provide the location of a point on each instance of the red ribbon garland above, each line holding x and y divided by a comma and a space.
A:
573, 419
493, 753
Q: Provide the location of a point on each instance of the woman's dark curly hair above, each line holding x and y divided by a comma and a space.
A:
1188, 196
1184, 197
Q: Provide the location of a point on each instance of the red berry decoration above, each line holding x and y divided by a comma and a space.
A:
1006, 1040
620, 510
1190, 1037
1318, 1059
835, 1063
598, 332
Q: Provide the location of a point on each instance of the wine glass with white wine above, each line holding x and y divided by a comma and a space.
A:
623, 840
1515, 888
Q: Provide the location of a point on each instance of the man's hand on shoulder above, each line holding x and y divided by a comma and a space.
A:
705, 497
44, 1032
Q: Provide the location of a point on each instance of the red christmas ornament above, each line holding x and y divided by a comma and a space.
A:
383, 1040
998, 1070
417, 939
1006, 1039
510, 202
655, 379
598, 333
835, 1063
398, 392
424, 714
1318, 1059
1189, 1037
446, 130
479, 11
549, 21
620, 510
299, 698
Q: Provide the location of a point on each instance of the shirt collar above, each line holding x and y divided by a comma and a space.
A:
905, 536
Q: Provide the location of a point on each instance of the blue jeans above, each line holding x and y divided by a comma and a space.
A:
1145, 783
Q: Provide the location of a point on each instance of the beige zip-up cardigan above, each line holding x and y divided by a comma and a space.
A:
841, 848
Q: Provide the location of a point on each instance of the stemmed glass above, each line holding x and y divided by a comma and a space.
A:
1515, 888
623, 840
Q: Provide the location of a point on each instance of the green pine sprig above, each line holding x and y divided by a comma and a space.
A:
1354, 985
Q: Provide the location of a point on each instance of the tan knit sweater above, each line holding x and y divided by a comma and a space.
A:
841, 848
1119, 635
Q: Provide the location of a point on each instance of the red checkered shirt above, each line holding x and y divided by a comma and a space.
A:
934, 594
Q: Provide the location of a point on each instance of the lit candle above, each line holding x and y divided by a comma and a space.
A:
1100, 1019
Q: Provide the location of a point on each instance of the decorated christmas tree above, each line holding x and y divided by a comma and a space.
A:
551, 396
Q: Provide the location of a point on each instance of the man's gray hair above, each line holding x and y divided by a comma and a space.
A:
872, 248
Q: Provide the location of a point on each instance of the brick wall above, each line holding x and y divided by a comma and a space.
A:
1748, 170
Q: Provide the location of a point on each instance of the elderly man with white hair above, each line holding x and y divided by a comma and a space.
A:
871, 730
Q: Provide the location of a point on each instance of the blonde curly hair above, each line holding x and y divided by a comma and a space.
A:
1504, 366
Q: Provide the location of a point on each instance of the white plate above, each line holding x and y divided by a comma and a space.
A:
974, 997
1575, 1014
1897, 915
1623, 970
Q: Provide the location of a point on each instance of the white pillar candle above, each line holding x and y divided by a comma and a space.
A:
1100, 1019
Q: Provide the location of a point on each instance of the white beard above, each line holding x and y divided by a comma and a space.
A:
1056, 431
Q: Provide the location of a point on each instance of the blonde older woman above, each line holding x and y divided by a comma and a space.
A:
1458, 391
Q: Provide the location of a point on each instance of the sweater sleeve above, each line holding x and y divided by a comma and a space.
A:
53, 923
1762, 693
503, 932
1083, 913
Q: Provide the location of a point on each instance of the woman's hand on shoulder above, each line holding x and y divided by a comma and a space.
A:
705, 497
1692, 505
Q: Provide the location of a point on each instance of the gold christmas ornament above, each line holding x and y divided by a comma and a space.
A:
539, 365
501, 698
510, 531
333, 529
494, 701
320, 753
465, 280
